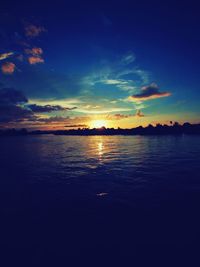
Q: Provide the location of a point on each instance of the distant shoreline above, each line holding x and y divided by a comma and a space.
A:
174, 129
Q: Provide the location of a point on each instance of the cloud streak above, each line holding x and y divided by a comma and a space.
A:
6, 55
48, 108
128, 59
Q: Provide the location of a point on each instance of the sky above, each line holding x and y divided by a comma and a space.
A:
77, 64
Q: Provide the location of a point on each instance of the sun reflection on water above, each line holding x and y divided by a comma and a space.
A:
100, 148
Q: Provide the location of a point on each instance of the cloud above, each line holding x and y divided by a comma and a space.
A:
14, 113
35, 60
128, 58
48, 108
103, 111
8, 68
139, 75
33, 31
53, 119
120, 116
149, 92
11, 96
14, 108
114, 81
35, 51
76, 126
10, 106
122, 84
139, 113
119, 73
6, 55
65, 121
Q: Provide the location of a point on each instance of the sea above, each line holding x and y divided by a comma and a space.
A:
99, 200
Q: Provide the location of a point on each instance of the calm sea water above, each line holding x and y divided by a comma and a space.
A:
67, 196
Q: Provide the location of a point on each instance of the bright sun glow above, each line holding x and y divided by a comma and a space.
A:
98, 124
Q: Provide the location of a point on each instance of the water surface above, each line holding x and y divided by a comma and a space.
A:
62, 195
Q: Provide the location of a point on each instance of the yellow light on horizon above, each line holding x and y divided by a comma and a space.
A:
98, 124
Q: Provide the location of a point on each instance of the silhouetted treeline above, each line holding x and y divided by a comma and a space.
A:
173, 129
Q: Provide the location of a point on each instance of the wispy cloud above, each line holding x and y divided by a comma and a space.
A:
103, 110
114, 82
142, 76
121, 74
128, 58
149, 92
65, 102
33, 31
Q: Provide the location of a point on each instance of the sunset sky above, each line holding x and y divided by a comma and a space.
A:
70, 64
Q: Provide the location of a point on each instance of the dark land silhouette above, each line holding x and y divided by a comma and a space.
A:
173, 129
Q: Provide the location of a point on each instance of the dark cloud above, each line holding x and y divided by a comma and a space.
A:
150, 92
54, 119
10, 106
11, 96
14, 108
14, 113
48, 108
45, 84
65, 121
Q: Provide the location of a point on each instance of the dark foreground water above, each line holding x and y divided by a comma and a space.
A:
103, 201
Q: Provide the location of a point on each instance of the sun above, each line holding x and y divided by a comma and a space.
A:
98, 124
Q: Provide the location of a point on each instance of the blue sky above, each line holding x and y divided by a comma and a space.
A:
75, 62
